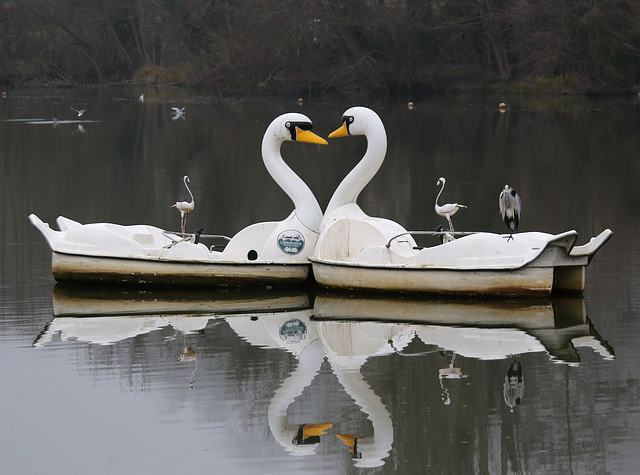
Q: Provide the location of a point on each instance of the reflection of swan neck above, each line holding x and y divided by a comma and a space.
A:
351, 186
309, 362
377, 448
306, 205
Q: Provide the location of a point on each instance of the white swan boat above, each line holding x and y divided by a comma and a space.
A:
356, 251
261, 254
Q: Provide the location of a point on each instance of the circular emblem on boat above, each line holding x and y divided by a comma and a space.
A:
291, 242
293, 331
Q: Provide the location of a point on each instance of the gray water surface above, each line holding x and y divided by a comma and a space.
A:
99, 380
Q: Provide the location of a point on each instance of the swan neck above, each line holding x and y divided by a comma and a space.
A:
351, 186
305, 203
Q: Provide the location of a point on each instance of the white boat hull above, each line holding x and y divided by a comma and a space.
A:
69, 268
554, 265
526, 281
264, 254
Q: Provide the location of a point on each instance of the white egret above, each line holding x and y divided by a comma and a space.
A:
449, 209
510, 208
185, 207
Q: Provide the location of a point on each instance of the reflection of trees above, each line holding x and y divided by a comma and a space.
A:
374, 45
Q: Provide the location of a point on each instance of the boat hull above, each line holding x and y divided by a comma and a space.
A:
71, 268
526, 281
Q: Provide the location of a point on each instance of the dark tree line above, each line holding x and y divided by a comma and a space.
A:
324, 45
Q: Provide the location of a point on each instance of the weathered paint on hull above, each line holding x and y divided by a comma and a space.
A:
523, 281
87, 269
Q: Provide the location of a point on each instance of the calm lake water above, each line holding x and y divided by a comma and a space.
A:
99, 380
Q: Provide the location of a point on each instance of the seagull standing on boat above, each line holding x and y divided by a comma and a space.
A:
510, 208
449, 209
79, 112
185, 207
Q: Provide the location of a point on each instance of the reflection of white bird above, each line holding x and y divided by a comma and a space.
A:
449, 209
79, 112
141, 98
178, 113
185, 207
510, 208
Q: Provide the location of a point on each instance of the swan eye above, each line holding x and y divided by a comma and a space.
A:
347, 120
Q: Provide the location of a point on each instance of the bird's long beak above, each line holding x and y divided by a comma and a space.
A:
309, 137
341, 132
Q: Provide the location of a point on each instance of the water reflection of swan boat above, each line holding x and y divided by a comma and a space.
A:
356, 251
109, 315
342, 330
485, 330
346, 351
263, 253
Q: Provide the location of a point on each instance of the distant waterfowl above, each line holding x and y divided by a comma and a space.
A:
510, 208
141, 98
449, 209
178, 113
185, 207
80, 112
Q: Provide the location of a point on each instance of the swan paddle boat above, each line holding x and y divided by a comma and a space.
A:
264, 253
357, 251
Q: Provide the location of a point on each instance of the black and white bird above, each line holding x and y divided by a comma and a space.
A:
449, 209
185, 207
510, 209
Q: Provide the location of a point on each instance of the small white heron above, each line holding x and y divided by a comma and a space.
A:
510, 208
79, 111
185, 207
178, 113
449, 209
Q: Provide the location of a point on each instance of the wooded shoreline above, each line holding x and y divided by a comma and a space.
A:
406, 47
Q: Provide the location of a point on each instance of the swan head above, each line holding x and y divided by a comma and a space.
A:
357, 121
294, 127
441, 181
